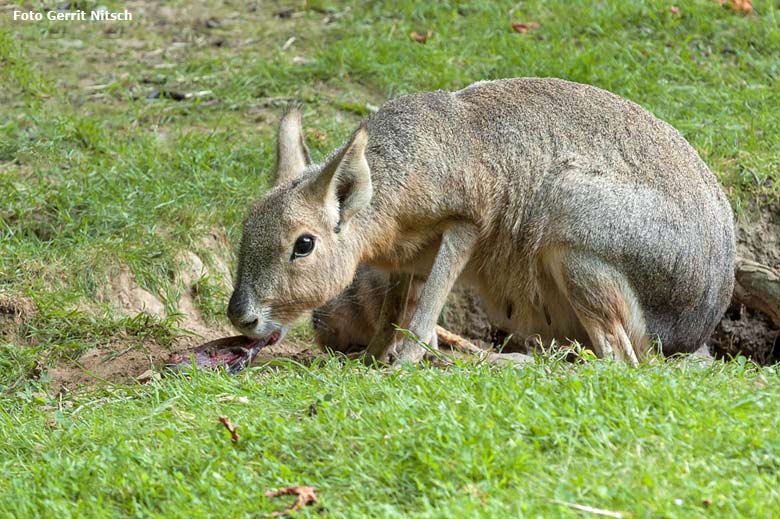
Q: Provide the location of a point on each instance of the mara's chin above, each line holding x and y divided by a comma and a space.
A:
268, 337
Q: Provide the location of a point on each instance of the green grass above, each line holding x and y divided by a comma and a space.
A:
96, 176
676, 440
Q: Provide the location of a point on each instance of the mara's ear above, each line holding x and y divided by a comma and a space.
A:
292, 156
345, 182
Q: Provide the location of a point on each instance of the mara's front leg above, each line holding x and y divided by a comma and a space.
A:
457, 245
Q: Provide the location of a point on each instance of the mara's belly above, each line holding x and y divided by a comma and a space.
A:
525, 305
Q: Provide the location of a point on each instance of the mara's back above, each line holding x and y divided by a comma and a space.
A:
522, 127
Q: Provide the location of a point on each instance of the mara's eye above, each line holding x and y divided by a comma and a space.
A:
303, 246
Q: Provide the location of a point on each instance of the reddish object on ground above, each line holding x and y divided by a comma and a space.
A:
232, 353
420, 37
524, 27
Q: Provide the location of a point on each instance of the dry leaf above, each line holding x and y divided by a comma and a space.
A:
740, 6
420, 38
743, 6
306, 496
675, 10
524, 27
231, 429
288, 43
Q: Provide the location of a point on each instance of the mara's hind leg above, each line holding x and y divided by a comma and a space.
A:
603, 301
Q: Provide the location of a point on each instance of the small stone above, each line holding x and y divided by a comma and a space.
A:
148, 376
510, 359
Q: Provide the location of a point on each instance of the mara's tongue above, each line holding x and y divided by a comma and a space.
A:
232, 353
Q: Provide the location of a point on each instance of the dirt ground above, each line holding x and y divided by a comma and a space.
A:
742, 330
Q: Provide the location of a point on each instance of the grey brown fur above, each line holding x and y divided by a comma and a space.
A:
365, 312
576, 214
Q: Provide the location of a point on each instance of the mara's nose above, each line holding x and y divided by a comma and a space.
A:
245, 323
239, 314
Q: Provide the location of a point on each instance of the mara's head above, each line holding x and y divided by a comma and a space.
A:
299, 247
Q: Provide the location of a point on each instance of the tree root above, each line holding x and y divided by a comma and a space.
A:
757, 287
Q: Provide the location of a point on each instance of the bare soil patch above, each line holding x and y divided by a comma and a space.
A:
117, 364
14, 311
742, 330
114, 363
746, 332
120, 362
758, 236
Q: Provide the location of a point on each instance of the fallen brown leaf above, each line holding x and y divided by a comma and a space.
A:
524, 27
740, 6
743, 6
231, 429
420, 38
306, 496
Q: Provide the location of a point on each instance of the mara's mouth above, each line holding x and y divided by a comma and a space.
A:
232, 353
